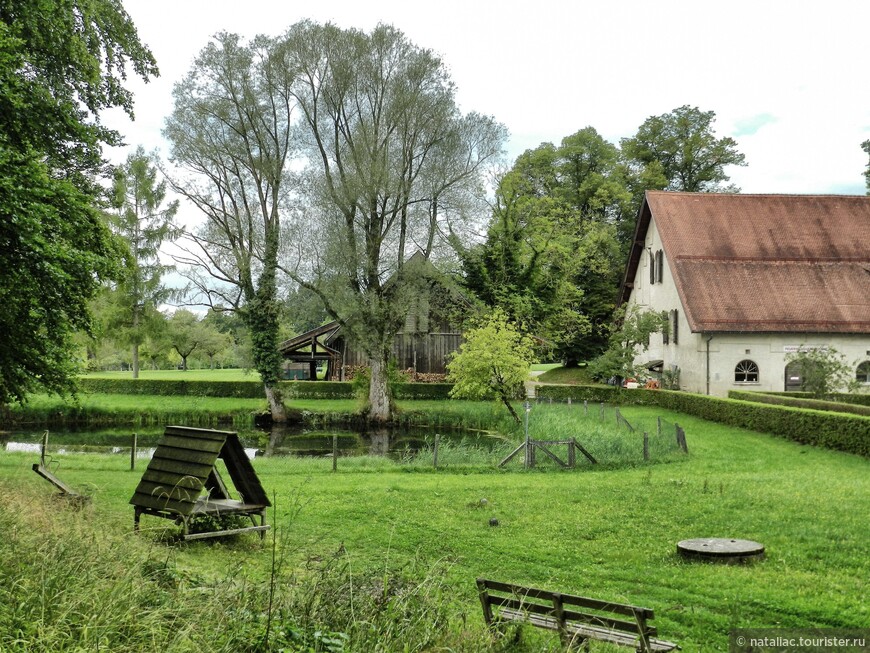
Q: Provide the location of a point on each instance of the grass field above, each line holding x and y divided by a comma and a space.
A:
383, 556
179, 375
567, 375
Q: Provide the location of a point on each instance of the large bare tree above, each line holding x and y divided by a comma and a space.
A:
231, 131
393, 165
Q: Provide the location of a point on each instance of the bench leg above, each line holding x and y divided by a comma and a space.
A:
136, 515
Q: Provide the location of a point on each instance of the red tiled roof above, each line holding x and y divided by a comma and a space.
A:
766, 263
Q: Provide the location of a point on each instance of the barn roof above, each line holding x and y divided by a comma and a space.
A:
763, 263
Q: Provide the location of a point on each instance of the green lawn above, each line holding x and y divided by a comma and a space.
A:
567, 375
179, 375
388, 553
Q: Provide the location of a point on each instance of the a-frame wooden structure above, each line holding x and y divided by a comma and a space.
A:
182, 482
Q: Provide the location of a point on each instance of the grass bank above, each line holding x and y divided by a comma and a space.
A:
383, 556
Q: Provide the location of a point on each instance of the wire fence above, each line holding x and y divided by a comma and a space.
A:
554, 434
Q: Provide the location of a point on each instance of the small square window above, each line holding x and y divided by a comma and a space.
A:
748, 351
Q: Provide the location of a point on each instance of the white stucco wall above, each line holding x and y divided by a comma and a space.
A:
726, 350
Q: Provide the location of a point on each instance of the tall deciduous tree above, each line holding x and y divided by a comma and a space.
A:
144, 224
679, 151
393, 165
232, 135
551, 256
61, 64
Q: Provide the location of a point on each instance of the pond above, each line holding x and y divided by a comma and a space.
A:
279, 441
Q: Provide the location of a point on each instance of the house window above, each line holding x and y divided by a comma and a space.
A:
660, 266
746, 372
862, 374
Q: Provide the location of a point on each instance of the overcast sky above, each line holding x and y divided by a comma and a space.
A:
787, 79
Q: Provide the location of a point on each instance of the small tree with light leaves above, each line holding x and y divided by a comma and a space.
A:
492, 363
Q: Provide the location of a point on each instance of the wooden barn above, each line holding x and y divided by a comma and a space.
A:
431, 332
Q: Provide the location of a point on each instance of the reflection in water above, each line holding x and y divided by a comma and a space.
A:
277, 441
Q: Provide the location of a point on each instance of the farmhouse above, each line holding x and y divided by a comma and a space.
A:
746, 279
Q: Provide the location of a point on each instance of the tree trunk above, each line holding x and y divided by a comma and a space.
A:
276, 404
507, 402
136, 361
380, 408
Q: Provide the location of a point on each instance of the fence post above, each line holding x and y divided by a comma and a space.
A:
677, 434
569, 401
43, 448
334, 451
585, 407
659, 421
645, 445
528, 457
572, 455
601, 412
435, 453
133, 448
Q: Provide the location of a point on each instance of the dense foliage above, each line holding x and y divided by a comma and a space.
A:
61, 64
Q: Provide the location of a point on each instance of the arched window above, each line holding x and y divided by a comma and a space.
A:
862, 374
746, 372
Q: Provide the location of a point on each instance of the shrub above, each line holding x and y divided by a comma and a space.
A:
849, 433
800, 402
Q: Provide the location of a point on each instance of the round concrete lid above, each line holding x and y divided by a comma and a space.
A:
724, 549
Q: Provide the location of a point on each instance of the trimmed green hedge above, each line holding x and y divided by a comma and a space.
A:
423, 390
799, 402
252, 389
840, 431
849, 433
859, 398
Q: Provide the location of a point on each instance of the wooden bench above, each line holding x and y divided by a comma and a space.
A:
577, 619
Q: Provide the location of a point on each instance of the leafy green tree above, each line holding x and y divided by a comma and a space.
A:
61, 64
552, 258
824, 371
232, 134
492, 363
144, 224
679, 151
628, 339
185, 334
866, 147
393, 166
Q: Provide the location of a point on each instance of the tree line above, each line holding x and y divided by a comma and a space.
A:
319, 161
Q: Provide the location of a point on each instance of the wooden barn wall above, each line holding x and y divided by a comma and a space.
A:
427, 353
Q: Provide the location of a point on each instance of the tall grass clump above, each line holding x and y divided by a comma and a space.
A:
69, 584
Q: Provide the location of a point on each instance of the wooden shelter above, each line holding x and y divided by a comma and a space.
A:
182, 481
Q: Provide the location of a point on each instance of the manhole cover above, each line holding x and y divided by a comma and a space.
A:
721, 549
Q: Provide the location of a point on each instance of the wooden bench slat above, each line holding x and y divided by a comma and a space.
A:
234, 531
569, 615
190, 444
571, 599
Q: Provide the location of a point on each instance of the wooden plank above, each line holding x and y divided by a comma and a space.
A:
185, 455
191, 432
215, 485
531, 607
235, 531
549, 453
173, 479
580, 601
164, 490
199, 470
54, 480
190, 444
242, 472
161, 503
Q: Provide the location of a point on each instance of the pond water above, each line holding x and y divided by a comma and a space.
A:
279, 441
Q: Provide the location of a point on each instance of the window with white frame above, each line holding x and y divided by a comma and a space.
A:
746, 371
862, 374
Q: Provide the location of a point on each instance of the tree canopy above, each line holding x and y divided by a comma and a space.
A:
866, 147
60, 65
679, 151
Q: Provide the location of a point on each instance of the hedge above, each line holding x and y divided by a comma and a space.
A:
849, 433
799, 402
839, 431
859, 398
252, 389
